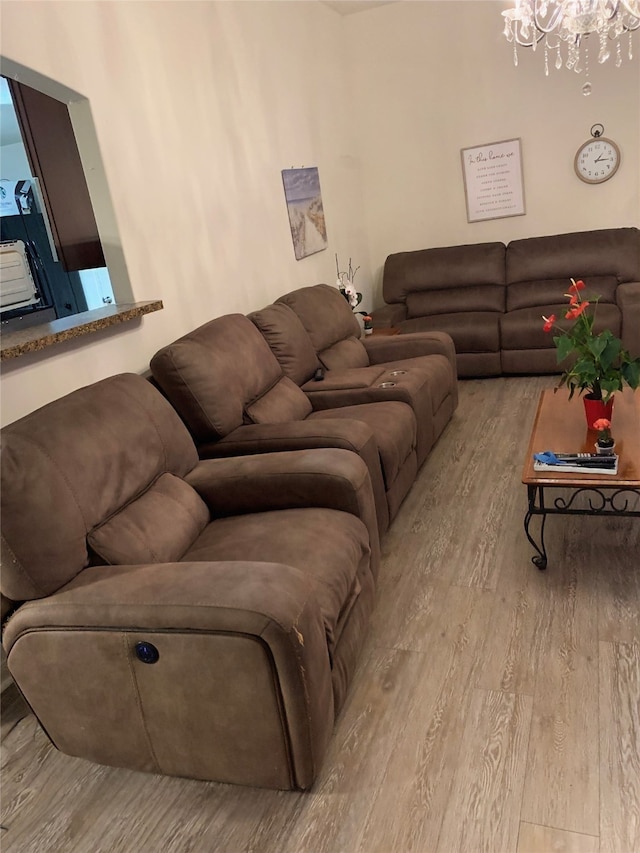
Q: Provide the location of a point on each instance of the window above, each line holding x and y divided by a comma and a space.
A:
59, 189
53, 243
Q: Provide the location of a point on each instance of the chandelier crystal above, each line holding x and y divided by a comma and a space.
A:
569, 23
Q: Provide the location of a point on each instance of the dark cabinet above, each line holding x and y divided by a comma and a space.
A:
54, 159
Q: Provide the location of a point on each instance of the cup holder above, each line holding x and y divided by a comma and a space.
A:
397, 373
387, 385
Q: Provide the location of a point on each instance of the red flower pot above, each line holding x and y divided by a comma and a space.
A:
595, 409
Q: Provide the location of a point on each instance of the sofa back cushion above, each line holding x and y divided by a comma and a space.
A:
441, 269
159, 526
579, 255
345, 354
282, 403
74, 463
289, 341
532, 294
211, 374
522, 330
479, 297
324, 313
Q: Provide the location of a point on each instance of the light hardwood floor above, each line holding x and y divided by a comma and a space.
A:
495, 708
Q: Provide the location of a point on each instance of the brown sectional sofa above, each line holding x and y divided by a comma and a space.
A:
228, 388
245, 387
181, 609
185, 617
320, 328
490, 298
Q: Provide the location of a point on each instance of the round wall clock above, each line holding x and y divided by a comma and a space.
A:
598, 159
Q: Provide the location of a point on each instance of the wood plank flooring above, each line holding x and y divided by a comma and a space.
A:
495, 707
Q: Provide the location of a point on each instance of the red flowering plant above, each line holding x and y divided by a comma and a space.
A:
603, 426
600, 366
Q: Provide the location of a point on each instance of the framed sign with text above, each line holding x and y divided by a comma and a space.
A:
493, 183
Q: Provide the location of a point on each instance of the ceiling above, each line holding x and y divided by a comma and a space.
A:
348, 7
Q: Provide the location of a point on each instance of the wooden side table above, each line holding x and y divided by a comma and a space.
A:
560, 425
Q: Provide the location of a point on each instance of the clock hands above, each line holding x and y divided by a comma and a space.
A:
598, 159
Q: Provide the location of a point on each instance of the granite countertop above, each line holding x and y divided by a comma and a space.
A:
17, 342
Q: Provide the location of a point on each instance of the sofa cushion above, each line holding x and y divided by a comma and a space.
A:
529, 361
212, 373
324, 313
476, 331
297, 537
288, 340
442, 269
393, 425
73, 463
282, 403
522, 330
610, 251
486, 297
345, 354
545, 292
157, 527
344, 380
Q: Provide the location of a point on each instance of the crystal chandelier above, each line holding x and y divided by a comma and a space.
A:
554, 22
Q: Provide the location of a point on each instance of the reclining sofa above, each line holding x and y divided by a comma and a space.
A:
178, 616
245, 387
490, 298
314, 327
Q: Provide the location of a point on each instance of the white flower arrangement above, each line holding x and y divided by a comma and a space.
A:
345, 284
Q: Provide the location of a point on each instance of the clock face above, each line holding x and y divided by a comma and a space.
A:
597, 160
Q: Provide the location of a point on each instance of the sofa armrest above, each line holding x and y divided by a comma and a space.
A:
291, 435
73, 655
199, 596
412, 345
336, 479
628, 299
343, 434
389, 315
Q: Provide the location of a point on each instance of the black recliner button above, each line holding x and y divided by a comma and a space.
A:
147, 652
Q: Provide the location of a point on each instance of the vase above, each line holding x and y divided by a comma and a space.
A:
595, 409
605, 450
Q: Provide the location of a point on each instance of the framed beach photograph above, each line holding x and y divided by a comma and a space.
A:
493, 182
306, 214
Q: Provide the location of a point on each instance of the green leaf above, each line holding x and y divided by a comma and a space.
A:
598, 345
611, 352
611, 384
631, 373
564, 345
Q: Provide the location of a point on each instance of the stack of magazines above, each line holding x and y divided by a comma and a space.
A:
578, 463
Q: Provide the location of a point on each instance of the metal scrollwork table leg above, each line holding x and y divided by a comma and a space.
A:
539, 559
584, 500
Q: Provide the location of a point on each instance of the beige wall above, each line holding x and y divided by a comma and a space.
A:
199, 105
431, 78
